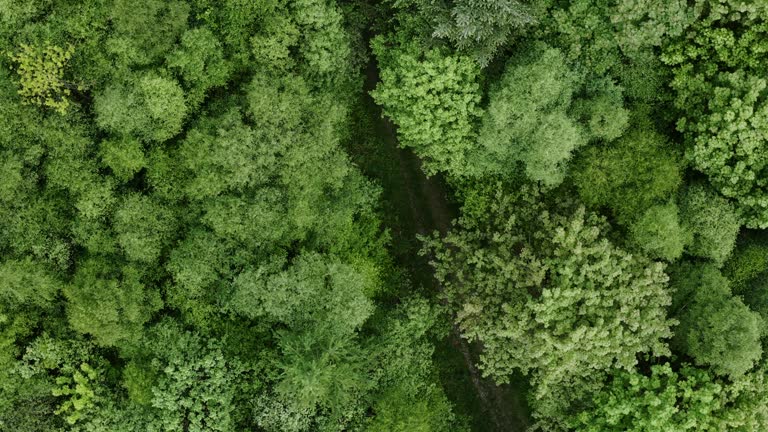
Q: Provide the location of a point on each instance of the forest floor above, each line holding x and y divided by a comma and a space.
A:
415, 204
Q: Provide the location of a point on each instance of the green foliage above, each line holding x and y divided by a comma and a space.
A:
235, 21
674, 401
76, 389
124, 156
200, 63
411, 399
716, 329
602, 110
145, 30
532, 118
223, 154
27, 283
720, 96
546, 293
713, 222
318, 368
748, 261
187, 245
603, 35
41, 73
272, 47
109, 302
659, 234
71, 371
398, 412
149, 107
477, 27
196, 222
143, 227
138, 380
195, 383
325, 45
314, 289
628, 176
433, 97
527, 121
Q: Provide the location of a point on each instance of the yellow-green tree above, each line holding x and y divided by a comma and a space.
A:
41, 75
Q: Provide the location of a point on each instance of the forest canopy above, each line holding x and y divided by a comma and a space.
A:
403, 215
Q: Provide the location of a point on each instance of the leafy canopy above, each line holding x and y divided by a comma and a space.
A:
546, 293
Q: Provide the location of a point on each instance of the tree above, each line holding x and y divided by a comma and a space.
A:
716, 329
27, 283
41, 72
433, 97
200, 266
604, 36
236, 22
200, 63
143, 227
124, 156
195, 384
529, 120
479, 27
149, 107
718, 71
109, 302
320, 369
628, 176
27, 301
397, 412
145, 31
713, 222
79, 393
748, 261
411, 397
531, 128
314, 289
73, 372
659, 234
222, 155
547, 294
324, 44
667, 400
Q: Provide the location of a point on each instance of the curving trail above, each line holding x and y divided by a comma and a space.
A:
426, 199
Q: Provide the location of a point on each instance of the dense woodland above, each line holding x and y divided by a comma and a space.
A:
202, 229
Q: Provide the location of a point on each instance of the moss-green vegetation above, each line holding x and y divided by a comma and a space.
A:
406, 215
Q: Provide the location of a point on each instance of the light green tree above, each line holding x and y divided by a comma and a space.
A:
667, 400
532, 119
720, 96
143, 227
200, 63
713, 222
546, 293
659, 234
629, 175
433, 97
149, 107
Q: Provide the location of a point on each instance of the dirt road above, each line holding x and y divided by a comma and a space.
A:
430, 211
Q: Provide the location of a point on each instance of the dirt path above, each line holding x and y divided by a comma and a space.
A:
430, 211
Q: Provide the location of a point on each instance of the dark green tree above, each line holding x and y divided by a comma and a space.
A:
110, 302
716, 328
630, 175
